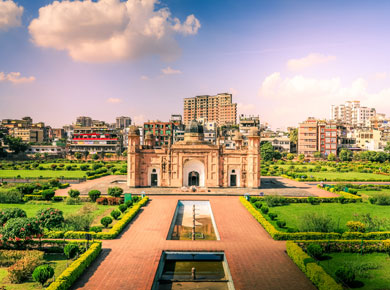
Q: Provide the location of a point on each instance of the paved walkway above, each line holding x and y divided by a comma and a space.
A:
255, 260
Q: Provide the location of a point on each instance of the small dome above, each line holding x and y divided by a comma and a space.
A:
133, 130
254, 131
194, 127
237, 135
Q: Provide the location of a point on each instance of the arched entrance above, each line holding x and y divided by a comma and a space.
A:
193, 173
193, 178
153, 177
234, 178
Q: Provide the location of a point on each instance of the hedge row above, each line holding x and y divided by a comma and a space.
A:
278, 235
349, 198
111, 234
316, 274
98, 175
70, 274
350, 246
334, 179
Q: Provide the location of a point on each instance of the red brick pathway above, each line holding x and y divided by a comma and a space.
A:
255, 260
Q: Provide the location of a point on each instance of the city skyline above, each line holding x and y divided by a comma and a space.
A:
282, 61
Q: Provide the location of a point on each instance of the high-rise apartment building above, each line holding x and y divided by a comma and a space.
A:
122, 122
351, 113
84, 121
218, 109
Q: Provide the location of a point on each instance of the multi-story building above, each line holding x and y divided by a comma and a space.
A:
84, 121
308, 137
95, 139
122, 122
178, 128
327, 138
162, 132
51, 150
351, 113
280, 143
218, 108
28, 135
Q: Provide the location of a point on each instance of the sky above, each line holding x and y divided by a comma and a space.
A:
282, 60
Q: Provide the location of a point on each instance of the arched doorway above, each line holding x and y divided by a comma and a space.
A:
153, 177
193, 178
194, 173
234, 178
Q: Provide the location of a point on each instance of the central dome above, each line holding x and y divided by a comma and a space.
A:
194, 127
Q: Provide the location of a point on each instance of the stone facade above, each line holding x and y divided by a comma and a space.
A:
193, 162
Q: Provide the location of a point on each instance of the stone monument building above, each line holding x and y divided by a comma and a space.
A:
193, 162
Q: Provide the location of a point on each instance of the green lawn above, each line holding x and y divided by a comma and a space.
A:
44, 173
57, 261
341, 213
348, 176
371, 270
369, 193
32, 207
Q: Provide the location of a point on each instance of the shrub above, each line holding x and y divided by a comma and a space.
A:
96, 229
129, 203
122, 208
258, 204
372, 200
94, 194
22, 269
71, 250
115, 191
272, 215
10, 196
106, 221
50, 218
47, 194
102, 200
274, 200
73, 201
315, 250
43, 273
281, 224
20, 230
84, 167
345, 275
115, 214
10, 213
313, 200
315, 222
108, 200
354, 226
73, 193
382, 199
79, 221
342, 200
264, 209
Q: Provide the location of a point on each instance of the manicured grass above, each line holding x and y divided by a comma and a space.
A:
44, 173
347, 176
32, 207
294, 213
369, 193
371, 270
57, 261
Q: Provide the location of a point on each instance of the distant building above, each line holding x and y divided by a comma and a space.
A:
84, 121
351, 113
218, 109
51, 150
28, 135
162, 132
327, 138
281, 144
122, 122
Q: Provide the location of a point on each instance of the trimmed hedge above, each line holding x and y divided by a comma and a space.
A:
113, 233
350, 246
316, 274
70, 275
97, 175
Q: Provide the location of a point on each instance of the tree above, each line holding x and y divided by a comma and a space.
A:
50, 218
317, 154
10, 213
387, 147
267, 151
115, 214
277, 155
124, 153
294, 136
78, 155
16, 145
43, 273
301, 157
345, 155
106, 221
86, 153
290, 156
331, 157
115, 191
73, 193
94, 194
95, 156
21, 230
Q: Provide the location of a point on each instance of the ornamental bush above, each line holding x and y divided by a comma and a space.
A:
94, 194
281, 224
264, 209
313, 200
48, 194
43, 273
129, 203
22, 269
10, 195
258, 204
50, 218
115, 191
96, 229
354, 226
315, 250
122, 207
106, 221
316, 222
10, 213
20, 230
74, 193
345, 275
272, 215
71, 250
115, 214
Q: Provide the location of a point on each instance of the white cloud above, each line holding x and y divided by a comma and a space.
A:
15, 78
144, 78
245, 108
110, 30
287, 101
10, 14
170, 71
308, 61
114, 100
380, 76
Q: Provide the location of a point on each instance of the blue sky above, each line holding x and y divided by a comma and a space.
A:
282, 60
